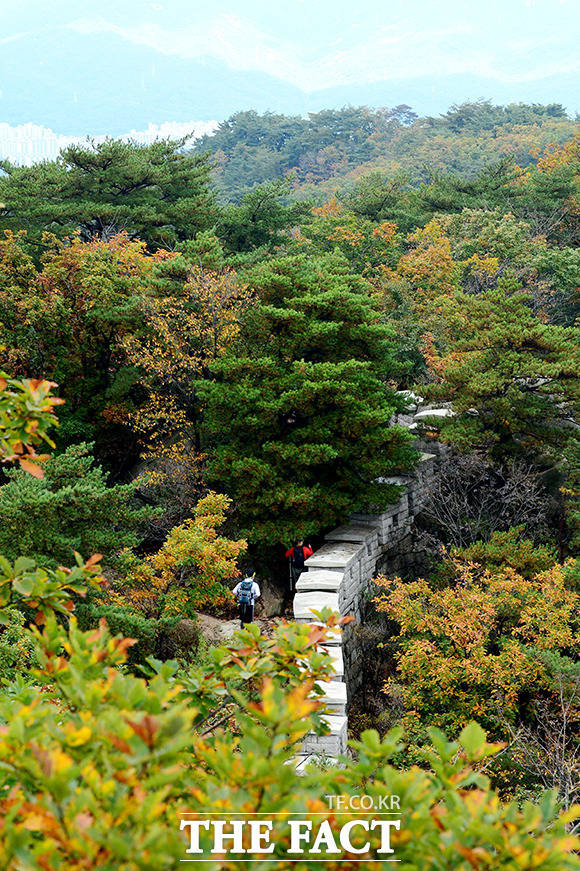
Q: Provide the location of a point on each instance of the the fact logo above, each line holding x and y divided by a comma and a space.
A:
334, 833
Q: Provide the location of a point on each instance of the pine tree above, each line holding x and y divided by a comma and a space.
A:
513, 380
70, 509
157, 192
301, 408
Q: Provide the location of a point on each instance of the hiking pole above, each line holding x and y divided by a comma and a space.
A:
290, 573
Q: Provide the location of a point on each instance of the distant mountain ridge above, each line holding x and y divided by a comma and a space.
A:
101, 84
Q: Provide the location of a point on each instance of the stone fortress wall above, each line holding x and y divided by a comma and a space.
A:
340, 574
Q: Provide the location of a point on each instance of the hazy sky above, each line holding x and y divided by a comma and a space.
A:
316, 44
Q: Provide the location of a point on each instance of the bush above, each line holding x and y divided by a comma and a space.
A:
154, 637
16, 647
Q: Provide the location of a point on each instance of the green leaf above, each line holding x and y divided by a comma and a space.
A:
23, 564
24, 586
473, 739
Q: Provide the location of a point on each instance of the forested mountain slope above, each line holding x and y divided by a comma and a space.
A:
331, 149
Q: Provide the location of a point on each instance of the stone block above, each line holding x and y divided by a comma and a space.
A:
353, 532
333, 556
305, 603
333, 695
336, 655
334, 743
433, 412
319, 579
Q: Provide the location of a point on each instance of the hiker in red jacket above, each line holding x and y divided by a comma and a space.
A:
297, 555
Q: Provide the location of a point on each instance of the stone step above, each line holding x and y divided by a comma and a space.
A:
306, 603
319, 579
352, 533
334, 695
334, 556
335, 654
333, 744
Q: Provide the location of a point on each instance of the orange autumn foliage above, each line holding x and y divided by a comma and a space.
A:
470, 648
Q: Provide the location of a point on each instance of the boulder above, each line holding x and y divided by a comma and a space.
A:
434, 412
216, 631
272, 600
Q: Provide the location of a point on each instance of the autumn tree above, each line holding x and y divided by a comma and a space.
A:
189, 570
470, 648
185, 333
67, 322
365, 244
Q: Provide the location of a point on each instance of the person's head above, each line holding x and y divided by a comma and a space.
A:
300, 542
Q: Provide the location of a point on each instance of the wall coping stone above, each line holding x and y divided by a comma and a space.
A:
338, 555
319, 579
304, 603
341, 571
434, 412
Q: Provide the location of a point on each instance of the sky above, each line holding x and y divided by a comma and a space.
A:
74, 68
317, 44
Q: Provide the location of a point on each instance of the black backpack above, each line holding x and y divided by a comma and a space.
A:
298, 558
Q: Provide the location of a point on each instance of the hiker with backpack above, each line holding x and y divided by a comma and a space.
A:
246, 592
297, 555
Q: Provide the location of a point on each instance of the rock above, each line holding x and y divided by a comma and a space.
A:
216, 631
434, 412
412, 400
272, 600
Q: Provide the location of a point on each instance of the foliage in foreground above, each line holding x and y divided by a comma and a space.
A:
26, 415
96, 764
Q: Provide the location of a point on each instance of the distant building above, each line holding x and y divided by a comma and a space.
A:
27, 144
